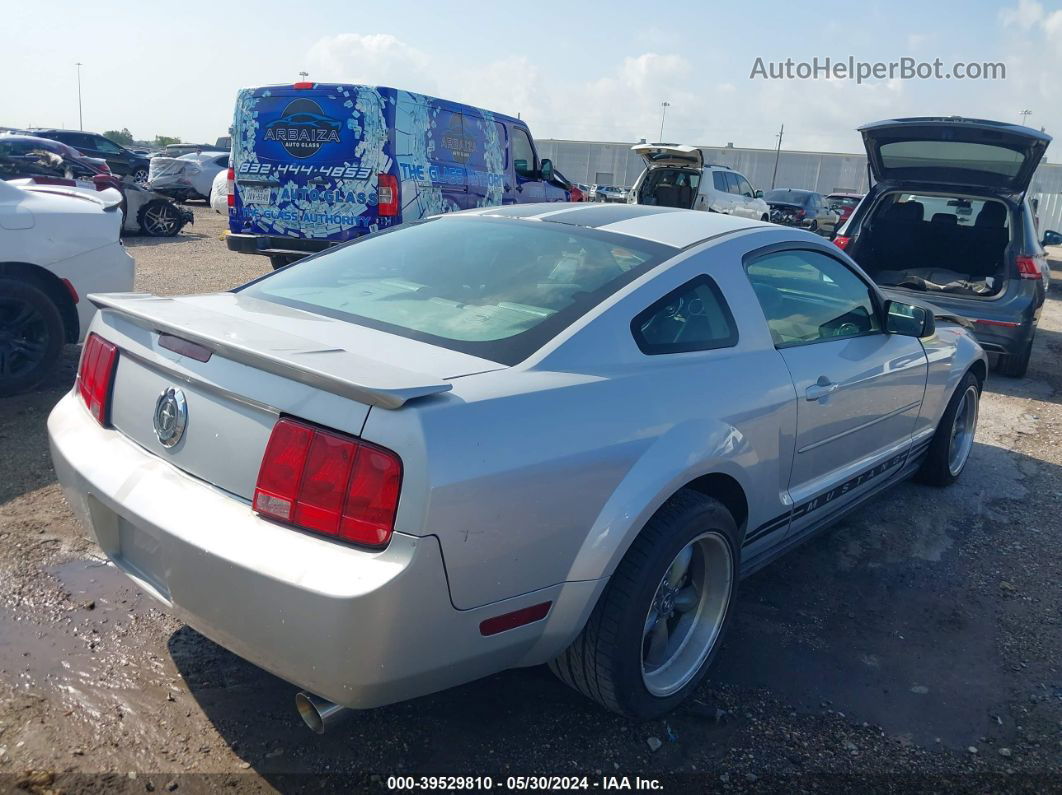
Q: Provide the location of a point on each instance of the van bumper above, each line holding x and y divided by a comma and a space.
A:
360, 627
271, 246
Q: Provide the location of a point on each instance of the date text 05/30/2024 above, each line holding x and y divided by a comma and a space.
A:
516, 783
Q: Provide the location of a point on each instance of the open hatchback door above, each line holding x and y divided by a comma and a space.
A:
671, 155
954, 151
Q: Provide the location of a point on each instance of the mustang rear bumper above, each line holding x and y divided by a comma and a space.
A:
361, 628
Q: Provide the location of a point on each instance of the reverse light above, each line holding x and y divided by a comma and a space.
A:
387, 191
1028, 267
329, 483
842, 242
95, 373
230, 179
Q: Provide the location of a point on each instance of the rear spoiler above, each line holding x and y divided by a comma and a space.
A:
334, 370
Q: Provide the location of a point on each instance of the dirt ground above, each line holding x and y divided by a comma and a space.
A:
915, 646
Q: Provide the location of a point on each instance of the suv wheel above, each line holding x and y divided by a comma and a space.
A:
658, 625
31, 335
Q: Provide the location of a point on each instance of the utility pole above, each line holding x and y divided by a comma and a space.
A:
1025, 114
304, 75
777, 153
664, 106
80, 119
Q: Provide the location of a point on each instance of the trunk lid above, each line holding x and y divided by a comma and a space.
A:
954, 151
265, 360
672, 155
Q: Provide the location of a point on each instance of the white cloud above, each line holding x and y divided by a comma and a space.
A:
375, 58
1027, 14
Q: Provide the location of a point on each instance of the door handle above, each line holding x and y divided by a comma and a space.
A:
820, 389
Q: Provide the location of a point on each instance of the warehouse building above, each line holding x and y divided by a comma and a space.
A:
613, 163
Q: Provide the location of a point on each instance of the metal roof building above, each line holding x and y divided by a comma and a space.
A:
613, 163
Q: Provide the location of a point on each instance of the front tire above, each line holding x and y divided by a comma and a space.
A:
31, 336
160, 218
658, 625
140, 176
953, 441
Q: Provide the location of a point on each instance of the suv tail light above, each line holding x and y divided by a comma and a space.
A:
1028, 267
842, 242
230, 179
95, 374
329, 483
387, 190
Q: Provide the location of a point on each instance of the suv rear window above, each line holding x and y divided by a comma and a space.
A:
493, 288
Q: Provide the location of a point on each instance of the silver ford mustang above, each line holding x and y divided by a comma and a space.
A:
504, 437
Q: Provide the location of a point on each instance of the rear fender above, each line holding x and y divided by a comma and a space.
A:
686, 452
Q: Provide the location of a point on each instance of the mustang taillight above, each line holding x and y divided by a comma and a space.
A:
387, 191
329, 483
95, 373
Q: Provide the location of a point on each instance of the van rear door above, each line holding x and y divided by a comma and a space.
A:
312, 161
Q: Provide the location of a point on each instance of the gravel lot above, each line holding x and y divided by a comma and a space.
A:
915, 646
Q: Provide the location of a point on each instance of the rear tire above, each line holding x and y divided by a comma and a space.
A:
660, 621
31, 335
953, 442
1016, 365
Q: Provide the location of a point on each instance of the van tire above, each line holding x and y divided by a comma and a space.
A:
1016, 365
605, 662
19, 297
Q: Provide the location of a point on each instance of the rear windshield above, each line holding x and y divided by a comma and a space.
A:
951, 154
787, 196
493, 288
842, 201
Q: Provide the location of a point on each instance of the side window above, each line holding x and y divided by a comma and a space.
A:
104, 145
732, 182
693, 317
743, 187
523, 153
719, 180
810, 297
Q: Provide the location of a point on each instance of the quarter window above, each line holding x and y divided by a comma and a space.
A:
809, 297
694, 317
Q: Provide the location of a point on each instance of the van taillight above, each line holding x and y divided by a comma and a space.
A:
387, 191
329, 483
842, 242
1028, 267
231, 179
95, 374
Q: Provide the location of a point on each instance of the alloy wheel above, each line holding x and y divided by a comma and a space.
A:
687, 613
963, 428
23, 337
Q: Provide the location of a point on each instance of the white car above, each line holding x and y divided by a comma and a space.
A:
219, 193
57, 245
189, 176
676, 176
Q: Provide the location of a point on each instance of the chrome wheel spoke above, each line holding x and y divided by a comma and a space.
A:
679, 566
686, 599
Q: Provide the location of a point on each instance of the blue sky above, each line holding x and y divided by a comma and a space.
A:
590, 70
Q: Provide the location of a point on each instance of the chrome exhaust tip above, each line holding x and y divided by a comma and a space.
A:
318, 713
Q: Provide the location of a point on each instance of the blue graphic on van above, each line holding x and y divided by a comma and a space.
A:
303, 129
313, 163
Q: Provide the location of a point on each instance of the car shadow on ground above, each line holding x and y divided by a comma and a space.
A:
186, 235
882, 619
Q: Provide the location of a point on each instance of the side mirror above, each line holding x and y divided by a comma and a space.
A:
546, 169
908, 320
1051, 238
757, 194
